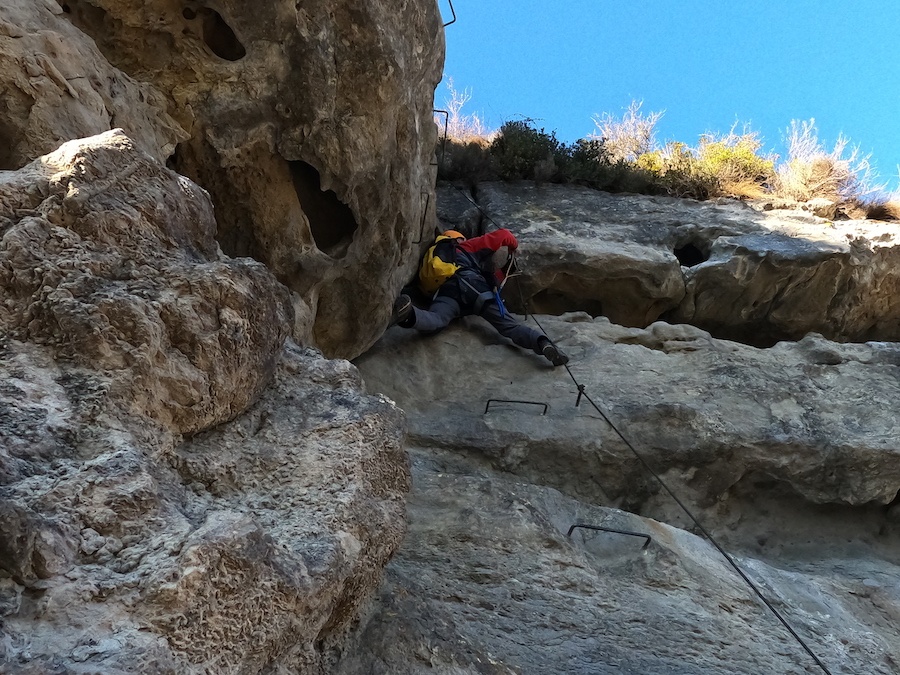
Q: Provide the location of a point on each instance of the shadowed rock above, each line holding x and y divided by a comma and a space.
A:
56, 86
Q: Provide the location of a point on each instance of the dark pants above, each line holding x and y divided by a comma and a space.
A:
445, 308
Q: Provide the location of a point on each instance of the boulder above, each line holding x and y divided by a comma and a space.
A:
110, 259
757, 276
56, 86
183, 491
311, 127
244, 549
821, 207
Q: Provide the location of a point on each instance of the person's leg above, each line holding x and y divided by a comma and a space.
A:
441, 312
524, 336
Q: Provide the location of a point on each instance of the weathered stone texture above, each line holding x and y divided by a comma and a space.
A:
180, 492
310, 125
809, 415
788, 455
488, 582
110, 259
56, 86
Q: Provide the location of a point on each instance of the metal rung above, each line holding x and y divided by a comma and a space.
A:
507, 400
446, 115
453, 12
421, 238
615, 531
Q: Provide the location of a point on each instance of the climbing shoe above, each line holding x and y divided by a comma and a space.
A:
403, 313
554, 354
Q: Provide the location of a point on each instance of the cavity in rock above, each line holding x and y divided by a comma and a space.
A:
330, 220
217, 34
691, 254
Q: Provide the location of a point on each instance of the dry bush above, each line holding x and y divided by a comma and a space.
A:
463, 153
627, 138
811, 171
881, 209
461, 127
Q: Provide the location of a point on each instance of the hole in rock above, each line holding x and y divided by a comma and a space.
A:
330, 220
174, 160
219, 36
6, 150
551, 301
66, 8
691, 254
189, 14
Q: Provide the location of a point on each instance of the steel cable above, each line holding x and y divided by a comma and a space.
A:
582, 393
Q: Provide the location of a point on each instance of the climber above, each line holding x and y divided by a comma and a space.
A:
477, 269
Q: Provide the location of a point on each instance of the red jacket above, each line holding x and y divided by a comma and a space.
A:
488, 244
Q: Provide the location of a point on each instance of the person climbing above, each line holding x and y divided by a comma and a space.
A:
467, 276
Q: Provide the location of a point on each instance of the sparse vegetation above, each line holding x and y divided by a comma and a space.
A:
464, 127
735, 160
623, 155
811, 171
630, 137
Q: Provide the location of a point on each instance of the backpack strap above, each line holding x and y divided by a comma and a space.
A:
480, 298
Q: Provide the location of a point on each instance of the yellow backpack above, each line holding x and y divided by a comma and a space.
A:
438, 264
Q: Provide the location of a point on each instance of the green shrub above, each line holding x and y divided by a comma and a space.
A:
522, 152
734, 160
468, 161
683, 175
588, 163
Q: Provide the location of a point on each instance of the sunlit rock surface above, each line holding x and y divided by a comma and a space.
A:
180, 490
735, 269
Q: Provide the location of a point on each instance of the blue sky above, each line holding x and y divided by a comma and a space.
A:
706, 64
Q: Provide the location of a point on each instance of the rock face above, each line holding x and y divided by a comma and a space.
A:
310, 125
788, 455
56, 86
111, 260
807, 415
488, 582
180, 490
739, 272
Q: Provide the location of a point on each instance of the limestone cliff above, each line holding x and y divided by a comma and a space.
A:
309, 124
188, 486
743, 271
788, 455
